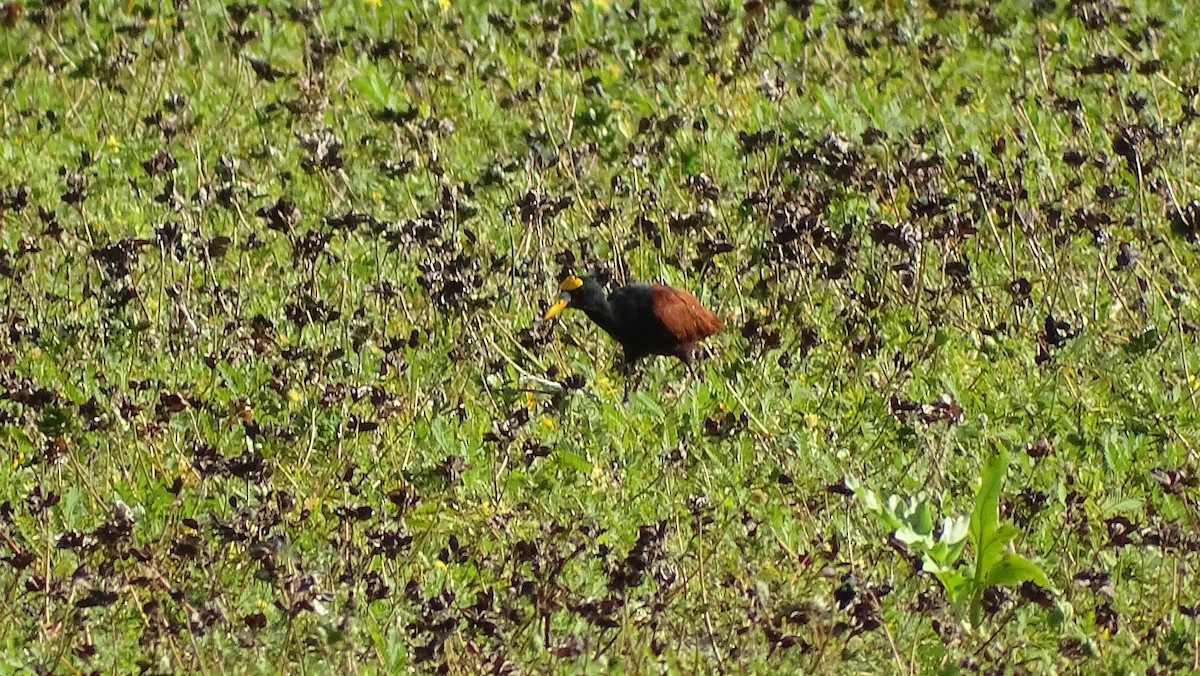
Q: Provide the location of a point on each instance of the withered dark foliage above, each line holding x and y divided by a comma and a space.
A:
944, 410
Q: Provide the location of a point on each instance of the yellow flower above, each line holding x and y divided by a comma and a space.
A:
548, 422
293, 396
606, 385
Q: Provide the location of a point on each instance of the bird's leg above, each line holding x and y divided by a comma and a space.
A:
685, 356
632, 378
688, 377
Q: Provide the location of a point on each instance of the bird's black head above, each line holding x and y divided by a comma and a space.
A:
580, 293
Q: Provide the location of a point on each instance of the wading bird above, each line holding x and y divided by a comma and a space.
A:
645, 319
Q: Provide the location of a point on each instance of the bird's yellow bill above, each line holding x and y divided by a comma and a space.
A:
570, 284
555, 309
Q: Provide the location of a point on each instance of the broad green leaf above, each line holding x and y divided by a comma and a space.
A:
1060, 614
1006, 532
1142, 343
955, 529
958, 588
1122, 505
954, 551
986, 516
1013, 569
937, 565
55, 420
852, 482
871, 502
985, 519
988, 555
573, 461
910, 537
921, 518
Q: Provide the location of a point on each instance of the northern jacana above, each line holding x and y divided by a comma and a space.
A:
646, 319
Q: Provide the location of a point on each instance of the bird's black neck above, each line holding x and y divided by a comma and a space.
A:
591, 299
600, 311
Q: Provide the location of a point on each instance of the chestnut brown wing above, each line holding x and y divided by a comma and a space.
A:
682, 315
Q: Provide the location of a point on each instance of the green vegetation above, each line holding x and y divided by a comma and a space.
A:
274, 395
965, 584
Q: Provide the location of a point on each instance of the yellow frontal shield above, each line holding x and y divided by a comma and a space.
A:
568, 285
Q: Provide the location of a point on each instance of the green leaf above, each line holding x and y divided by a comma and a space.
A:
1005, 532
909, 536
1013, 569
985, 519
1060, 614
873, 505
940, 559
985, 532
1142, 343
853, 483
921, 518
573, 461
955, 530
958, 588
953, 551
987, 556
1122, 505
54, 420
232, 378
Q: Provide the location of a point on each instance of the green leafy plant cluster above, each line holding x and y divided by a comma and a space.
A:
941, 548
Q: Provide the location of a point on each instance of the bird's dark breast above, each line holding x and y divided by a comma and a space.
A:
639, 328
640, 335
644, 336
